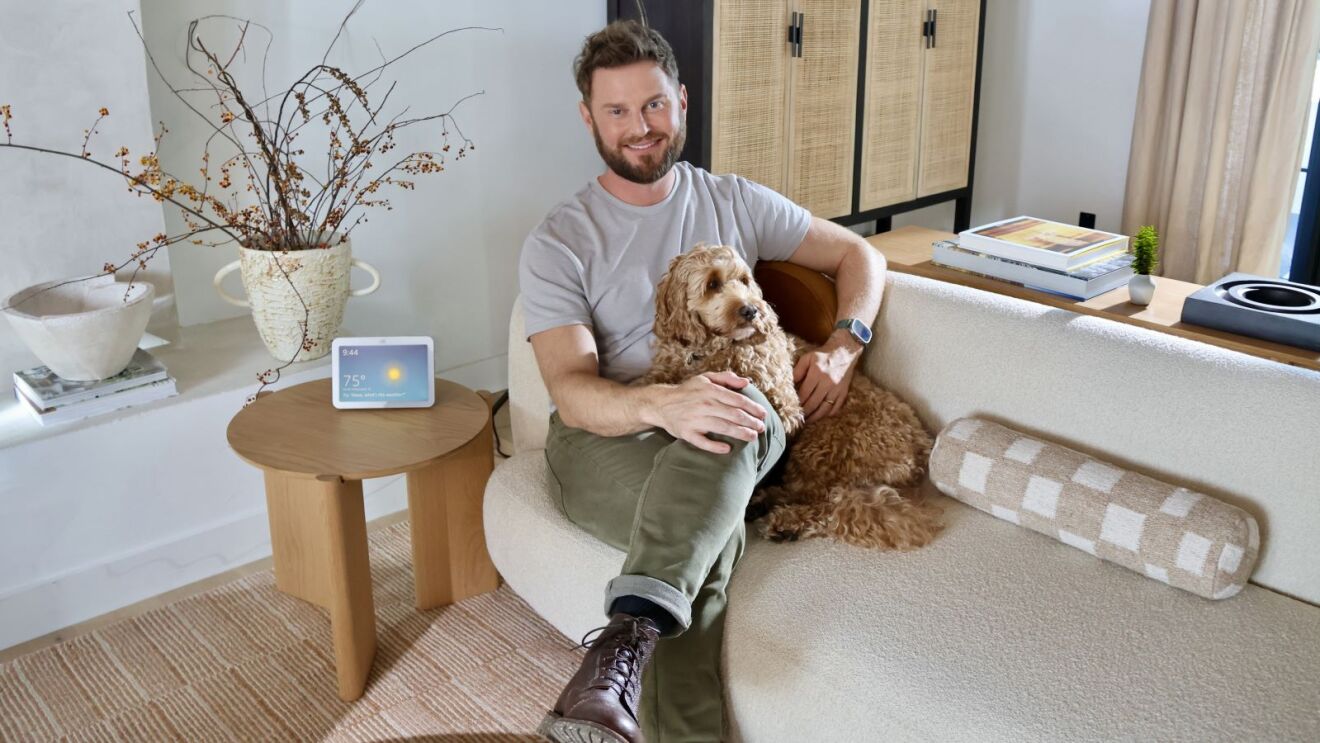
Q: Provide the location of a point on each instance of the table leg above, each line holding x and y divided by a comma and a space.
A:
318, 534
450, 561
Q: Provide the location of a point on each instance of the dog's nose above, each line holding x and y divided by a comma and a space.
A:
748, 312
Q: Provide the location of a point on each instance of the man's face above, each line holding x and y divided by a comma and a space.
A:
638, 119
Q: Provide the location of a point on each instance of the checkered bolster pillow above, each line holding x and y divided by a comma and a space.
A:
1172, 534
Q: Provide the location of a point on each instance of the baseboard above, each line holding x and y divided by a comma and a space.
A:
197, 513
77, 595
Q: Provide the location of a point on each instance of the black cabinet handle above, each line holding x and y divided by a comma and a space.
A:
933, 28
795, 35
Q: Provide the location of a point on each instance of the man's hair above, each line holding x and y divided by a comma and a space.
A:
618, 44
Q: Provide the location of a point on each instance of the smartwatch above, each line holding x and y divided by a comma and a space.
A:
857, 329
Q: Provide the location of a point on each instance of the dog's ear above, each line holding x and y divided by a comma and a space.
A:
767, 318
674, 321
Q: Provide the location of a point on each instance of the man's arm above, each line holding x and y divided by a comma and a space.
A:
858, 270
704, 404
569, 365
824, 375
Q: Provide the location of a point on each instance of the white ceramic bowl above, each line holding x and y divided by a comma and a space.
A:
84, 330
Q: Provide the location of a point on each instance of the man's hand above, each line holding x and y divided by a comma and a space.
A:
706, 404
823, 376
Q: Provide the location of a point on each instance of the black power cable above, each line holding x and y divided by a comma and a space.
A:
495, 408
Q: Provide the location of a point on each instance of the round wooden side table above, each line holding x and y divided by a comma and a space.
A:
315, 457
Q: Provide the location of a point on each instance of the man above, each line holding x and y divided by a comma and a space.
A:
663, 472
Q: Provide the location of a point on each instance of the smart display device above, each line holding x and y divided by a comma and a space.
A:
383, 372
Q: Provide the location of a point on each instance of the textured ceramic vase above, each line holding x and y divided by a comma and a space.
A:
320, 276
87, 329
1141, 288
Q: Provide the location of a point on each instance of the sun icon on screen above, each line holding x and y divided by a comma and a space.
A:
394, 373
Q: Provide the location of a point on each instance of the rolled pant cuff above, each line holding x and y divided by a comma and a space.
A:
657, 591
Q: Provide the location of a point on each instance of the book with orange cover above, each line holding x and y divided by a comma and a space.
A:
1040, 242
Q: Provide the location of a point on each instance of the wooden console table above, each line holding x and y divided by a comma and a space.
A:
908, 250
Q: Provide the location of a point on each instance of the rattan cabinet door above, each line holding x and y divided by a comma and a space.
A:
749, 91
892, 104
824, 107
948, 96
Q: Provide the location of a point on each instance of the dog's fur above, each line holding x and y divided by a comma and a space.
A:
844, 473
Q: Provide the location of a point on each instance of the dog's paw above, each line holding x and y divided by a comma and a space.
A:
780, 530
780, 535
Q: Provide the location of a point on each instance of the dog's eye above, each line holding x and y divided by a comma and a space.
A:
712, 285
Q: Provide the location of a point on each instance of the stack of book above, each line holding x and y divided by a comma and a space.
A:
1075, 262
50, 398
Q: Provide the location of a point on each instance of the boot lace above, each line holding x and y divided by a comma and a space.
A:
616, 669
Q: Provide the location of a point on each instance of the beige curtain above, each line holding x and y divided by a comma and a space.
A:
1219, 131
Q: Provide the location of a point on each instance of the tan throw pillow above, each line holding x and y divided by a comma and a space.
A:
1172, 534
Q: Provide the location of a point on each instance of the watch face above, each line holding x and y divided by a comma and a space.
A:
863, 333
858, 330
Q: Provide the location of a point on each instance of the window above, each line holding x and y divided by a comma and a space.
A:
1301, 243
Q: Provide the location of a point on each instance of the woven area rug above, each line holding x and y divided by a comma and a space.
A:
244, 662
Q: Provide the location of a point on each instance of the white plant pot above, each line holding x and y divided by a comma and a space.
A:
1141, 288
320, 276
83, 330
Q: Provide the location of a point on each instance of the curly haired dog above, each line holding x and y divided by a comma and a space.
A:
852, 476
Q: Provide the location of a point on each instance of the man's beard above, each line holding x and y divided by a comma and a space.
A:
653, 167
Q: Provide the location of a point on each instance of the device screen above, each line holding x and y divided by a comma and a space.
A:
383, 373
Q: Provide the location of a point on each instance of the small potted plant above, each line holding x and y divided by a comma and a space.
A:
1145, 259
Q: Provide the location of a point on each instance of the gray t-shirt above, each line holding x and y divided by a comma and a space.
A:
595, 260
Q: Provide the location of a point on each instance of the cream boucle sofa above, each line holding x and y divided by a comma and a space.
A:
995, 632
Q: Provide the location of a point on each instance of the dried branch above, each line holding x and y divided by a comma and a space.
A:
294, 209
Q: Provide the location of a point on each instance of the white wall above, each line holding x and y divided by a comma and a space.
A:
1058, 95
107, 514
60, 218
448, 251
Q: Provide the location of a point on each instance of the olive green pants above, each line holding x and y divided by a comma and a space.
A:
678, 512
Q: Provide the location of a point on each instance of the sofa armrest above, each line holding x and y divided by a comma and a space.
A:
529, 400
804, 299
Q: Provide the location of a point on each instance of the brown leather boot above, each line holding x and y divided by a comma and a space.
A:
599, 705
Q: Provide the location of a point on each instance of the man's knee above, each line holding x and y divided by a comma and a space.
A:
770, 439
773, 425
